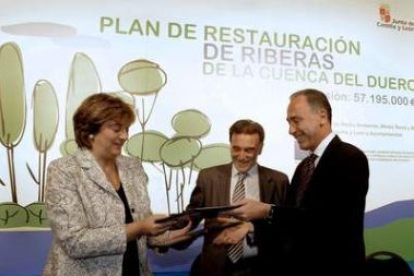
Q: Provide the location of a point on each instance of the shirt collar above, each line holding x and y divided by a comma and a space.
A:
320, 149
253, 170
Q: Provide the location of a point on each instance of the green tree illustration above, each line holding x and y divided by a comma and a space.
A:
83, 82
144, 79
45, 125
12, 106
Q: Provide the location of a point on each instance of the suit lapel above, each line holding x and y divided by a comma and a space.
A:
222, 183
124, 173
324, 160
92, 170
225, 183
326, 156
263, 188
316, 181
267, 184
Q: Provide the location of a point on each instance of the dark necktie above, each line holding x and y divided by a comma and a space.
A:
235, 251
305, 173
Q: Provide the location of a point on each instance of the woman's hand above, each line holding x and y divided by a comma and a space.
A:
179, 234
147, 227
172, 237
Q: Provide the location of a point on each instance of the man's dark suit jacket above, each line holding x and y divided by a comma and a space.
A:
327, 229
213, 189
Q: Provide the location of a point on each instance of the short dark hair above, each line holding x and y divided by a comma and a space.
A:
96, 110
316, 99
247, 127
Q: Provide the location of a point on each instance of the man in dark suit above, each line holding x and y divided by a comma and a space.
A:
324, 219
216, 187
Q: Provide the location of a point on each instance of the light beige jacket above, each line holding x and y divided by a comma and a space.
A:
87, 216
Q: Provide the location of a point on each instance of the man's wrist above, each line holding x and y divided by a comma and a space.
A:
270, 213
250, 227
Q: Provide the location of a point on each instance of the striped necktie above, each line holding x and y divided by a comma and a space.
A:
235, 251
305, 173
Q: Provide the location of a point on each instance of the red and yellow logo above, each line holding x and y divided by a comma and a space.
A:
385, 13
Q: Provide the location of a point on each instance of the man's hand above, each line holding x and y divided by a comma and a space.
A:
249, 210
179, 234
234, 234
220, 222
